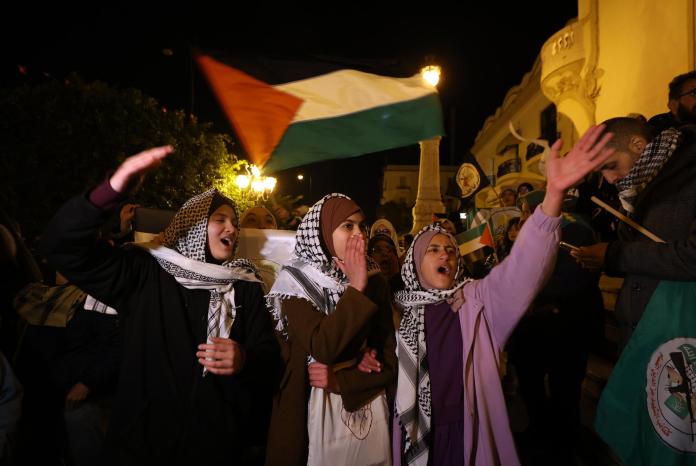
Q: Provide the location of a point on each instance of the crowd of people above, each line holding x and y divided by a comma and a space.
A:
360, 351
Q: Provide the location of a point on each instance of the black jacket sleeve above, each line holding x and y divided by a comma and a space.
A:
71, 245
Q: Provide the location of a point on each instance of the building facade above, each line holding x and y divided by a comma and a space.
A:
615, 59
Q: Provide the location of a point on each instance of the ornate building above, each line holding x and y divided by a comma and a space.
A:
615, 59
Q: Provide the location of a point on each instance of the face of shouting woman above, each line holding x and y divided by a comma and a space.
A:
222, 232
439, 265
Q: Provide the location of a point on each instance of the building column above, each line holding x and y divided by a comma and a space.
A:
429, 199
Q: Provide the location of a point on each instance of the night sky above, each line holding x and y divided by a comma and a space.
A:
483, 53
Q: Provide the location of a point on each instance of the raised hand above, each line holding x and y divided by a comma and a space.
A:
564, 172
587, 154
136, 166
354, 264
222, 357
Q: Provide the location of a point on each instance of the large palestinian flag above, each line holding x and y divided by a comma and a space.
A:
288, 114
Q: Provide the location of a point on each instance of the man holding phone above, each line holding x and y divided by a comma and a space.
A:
656, 179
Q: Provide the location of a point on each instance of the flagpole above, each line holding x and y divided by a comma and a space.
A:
627, 220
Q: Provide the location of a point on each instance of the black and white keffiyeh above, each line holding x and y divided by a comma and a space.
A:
183, 255
311, 274
648, 165
413, 401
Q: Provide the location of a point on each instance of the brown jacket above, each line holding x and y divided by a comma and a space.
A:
331, 339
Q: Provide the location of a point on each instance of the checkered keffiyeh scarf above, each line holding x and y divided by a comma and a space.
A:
648, 165
413, 402
311, 274
183, 255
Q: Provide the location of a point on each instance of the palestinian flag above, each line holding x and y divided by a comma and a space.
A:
647, 412
288, 114
475, 239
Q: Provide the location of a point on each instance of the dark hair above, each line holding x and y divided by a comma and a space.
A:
623, 129
527, 185
677, 84
380, 237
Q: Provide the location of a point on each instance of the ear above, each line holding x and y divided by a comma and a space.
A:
638, 144
673, 105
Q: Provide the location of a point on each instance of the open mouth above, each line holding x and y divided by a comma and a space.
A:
226, 241
443, 269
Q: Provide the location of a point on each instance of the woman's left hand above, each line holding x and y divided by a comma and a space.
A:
562, 173
587, 154
222, 357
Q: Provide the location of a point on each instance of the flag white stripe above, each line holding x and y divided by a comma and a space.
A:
349, 91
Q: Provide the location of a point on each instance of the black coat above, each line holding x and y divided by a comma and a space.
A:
666, 207
165, 411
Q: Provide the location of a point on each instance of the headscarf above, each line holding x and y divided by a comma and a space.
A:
651, 160
311, 274
183, 255
385, 227
334, 212
413, 402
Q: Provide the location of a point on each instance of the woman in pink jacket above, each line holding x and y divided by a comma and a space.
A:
450, 408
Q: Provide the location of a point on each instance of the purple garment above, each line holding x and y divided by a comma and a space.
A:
492, 308
443, 338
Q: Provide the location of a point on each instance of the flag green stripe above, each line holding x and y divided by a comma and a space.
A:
471, 234
359, 133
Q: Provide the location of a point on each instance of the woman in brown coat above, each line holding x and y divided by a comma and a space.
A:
329, 304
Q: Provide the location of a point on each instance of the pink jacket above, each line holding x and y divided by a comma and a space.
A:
493, 307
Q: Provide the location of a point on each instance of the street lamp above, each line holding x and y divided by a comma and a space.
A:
428, 198
255, 183
431, 74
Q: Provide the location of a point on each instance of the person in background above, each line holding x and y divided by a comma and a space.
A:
508, 197
681, 102
259, 217
523, 189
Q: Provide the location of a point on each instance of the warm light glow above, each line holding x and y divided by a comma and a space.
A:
255, 171
269, 183
257, 186
300, 177
431, 74
242, 181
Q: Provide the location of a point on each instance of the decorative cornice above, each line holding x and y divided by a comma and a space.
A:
530, 79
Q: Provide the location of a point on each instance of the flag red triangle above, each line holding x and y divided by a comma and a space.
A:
259, 113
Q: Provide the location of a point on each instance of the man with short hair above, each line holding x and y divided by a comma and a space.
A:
656, 180
681, 103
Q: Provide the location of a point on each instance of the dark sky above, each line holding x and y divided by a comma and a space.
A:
483, 53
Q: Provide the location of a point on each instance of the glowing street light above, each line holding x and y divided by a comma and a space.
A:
242, 181
255, 182
431, 74
300, 177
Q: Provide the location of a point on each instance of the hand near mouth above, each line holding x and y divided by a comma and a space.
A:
354, 264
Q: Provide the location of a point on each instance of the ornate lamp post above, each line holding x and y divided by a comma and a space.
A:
428, 199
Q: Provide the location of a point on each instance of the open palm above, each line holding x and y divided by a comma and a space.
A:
588, 154
137, 165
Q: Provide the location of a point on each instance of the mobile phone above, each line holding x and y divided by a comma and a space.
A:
568, 246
